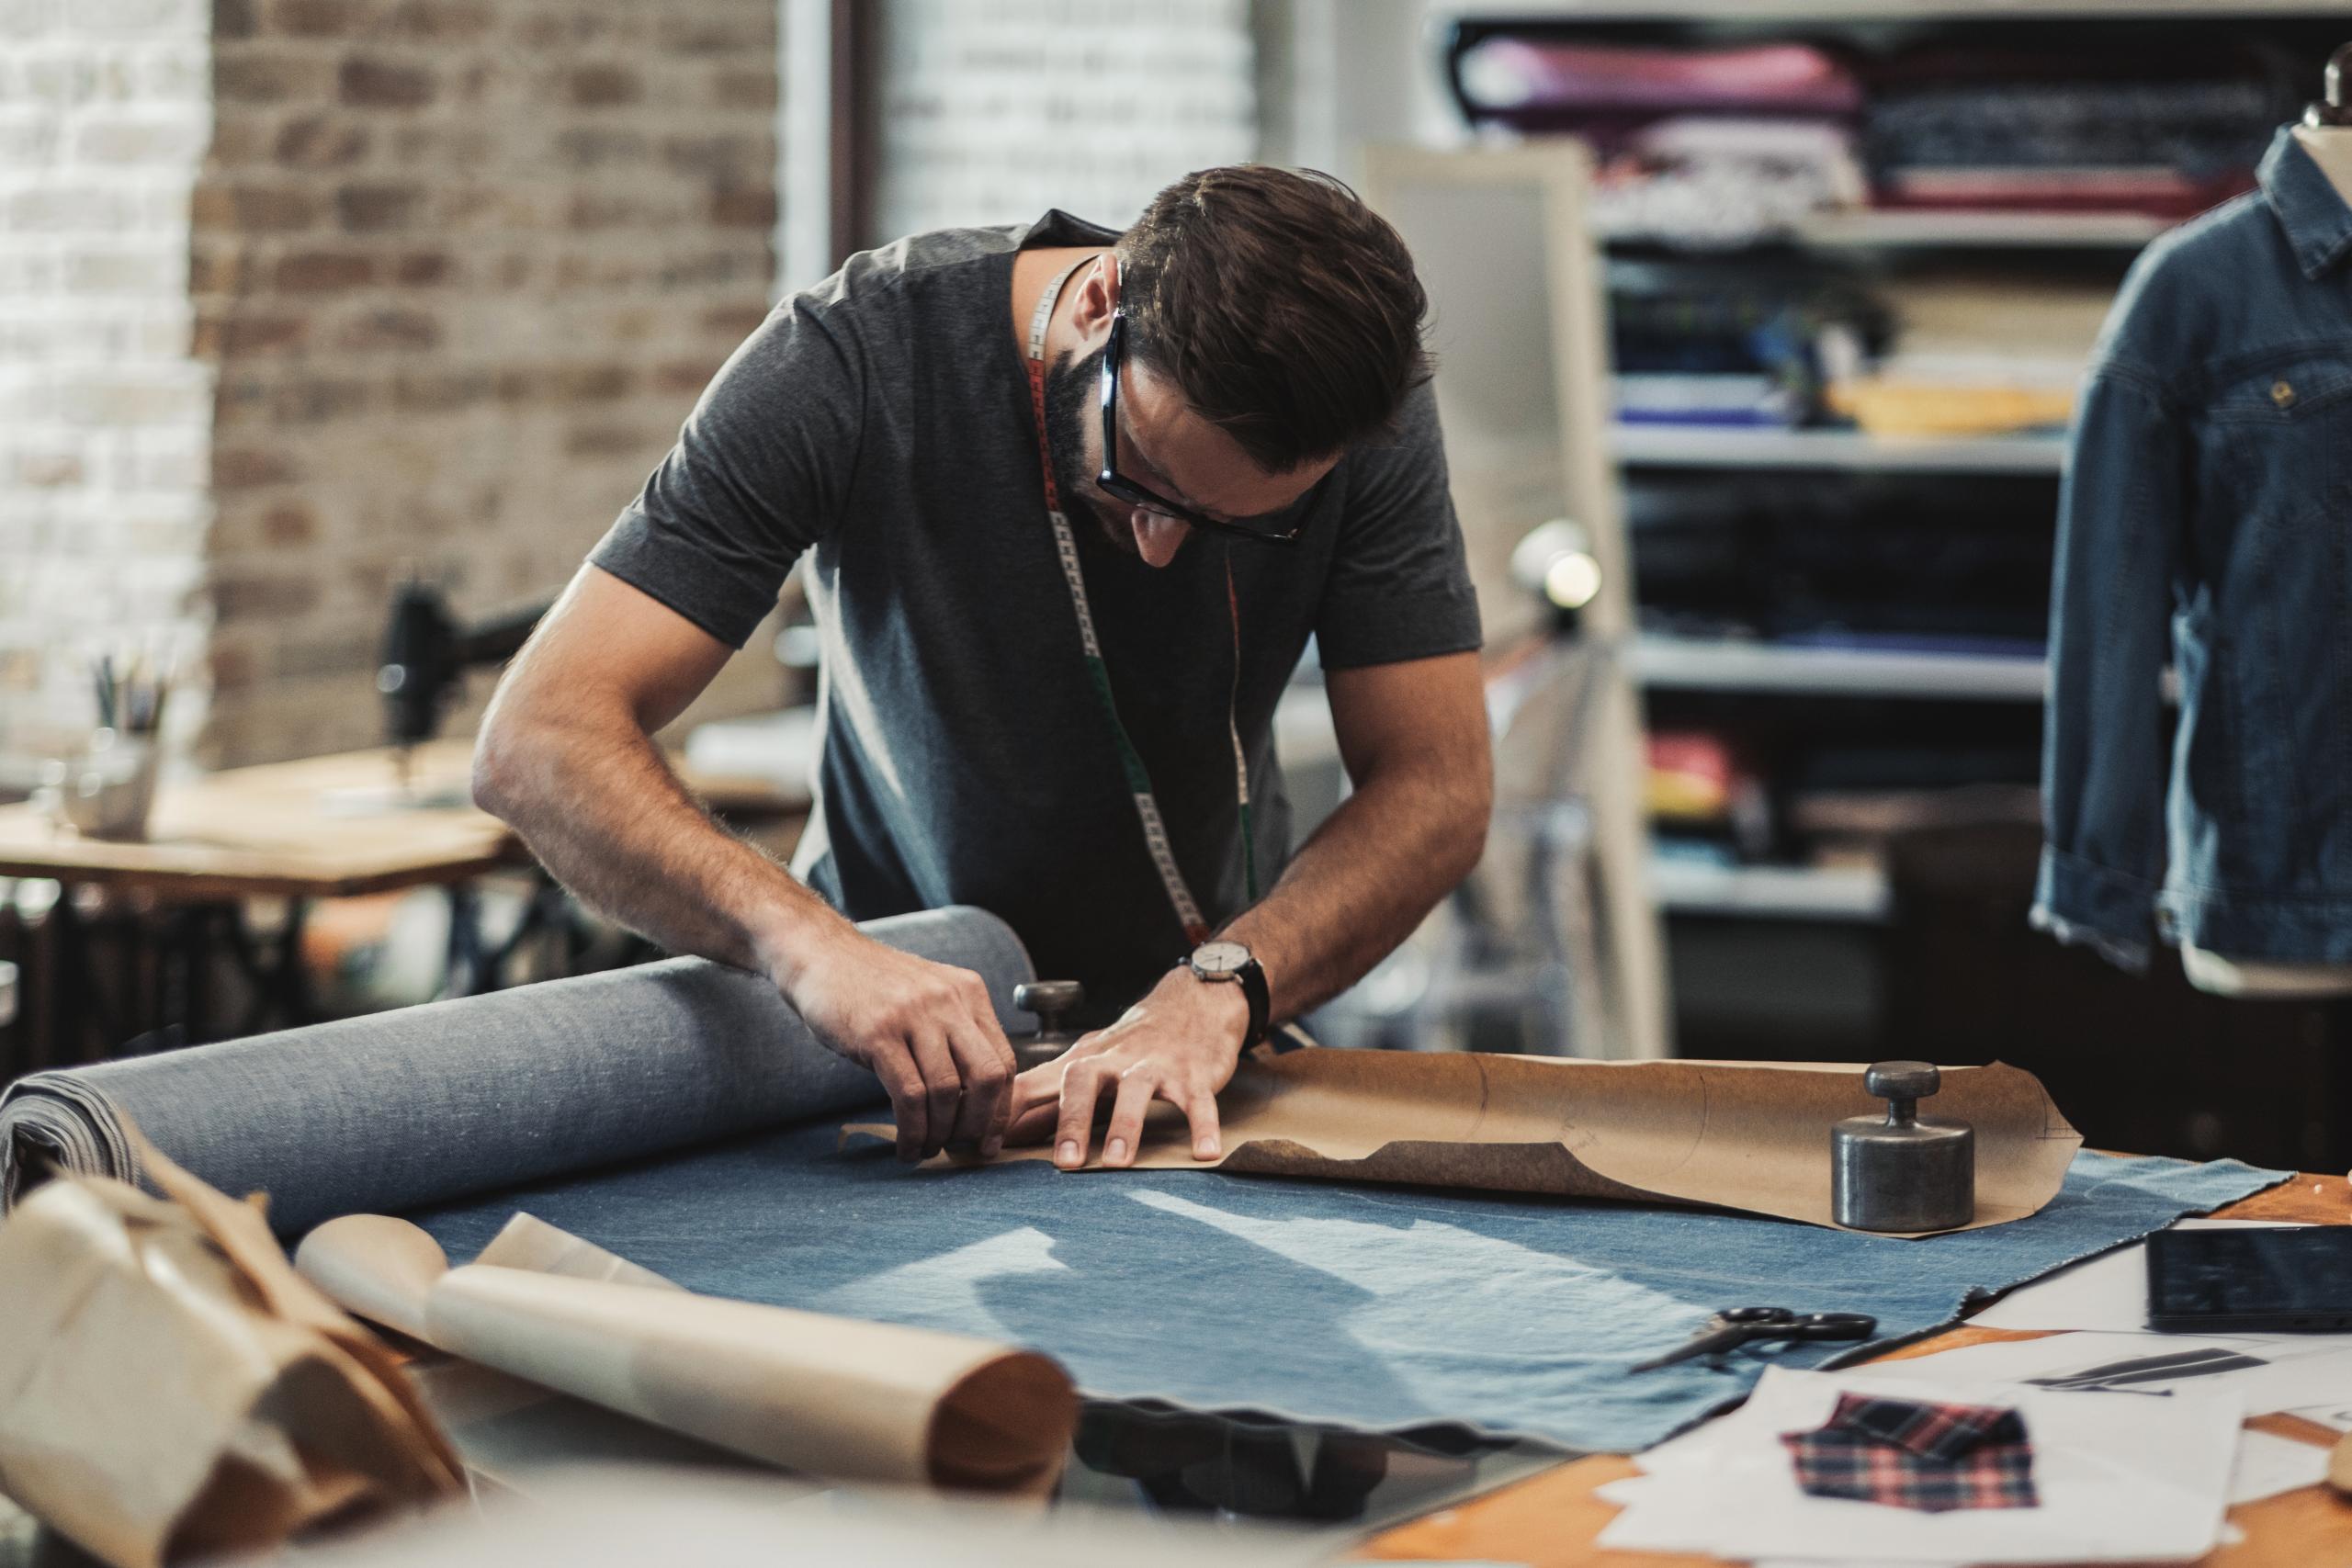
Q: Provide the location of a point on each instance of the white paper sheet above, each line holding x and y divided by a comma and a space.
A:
2107, 1293
2122, 1477
2336, 1415
2268, 1373
2268, 1465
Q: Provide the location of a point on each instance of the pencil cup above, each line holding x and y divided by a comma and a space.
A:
107, 790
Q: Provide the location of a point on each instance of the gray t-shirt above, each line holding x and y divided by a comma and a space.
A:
882, 420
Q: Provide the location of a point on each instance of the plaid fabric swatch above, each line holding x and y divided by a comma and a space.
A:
1914, 1455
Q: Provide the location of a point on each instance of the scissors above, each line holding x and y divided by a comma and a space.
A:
1734, 1327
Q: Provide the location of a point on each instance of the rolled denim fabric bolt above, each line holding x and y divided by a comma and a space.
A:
383, 1113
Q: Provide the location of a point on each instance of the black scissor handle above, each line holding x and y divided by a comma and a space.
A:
1757, 1317
1830, 1326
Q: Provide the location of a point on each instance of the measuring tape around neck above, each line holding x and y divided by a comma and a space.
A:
1155, 827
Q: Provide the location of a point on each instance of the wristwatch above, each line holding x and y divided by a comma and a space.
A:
1219, 963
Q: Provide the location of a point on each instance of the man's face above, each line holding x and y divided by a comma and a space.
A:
1163, 445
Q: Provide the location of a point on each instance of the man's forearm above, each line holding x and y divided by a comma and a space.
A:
600, 809
1363, 882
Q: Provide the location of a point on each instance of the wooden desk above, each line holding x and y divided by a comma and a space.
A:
323, 828
1550, 1521
311, 829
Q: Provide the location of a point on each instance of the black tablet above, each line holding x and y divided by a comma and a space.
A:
2287, 1280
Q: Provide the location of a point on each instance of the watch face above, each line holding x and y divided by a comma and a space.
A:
1220, 957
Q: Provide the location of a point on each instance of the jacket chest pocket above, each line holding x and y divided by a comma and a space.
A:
2284, 429
2277, 446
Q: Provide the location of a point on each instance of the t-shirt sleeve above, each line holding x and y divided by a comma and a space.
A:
1399, 587
761, 471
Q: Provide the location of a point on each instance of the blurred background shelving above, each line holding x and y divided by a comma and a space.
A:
1681, 446
1674, 663
1850, 309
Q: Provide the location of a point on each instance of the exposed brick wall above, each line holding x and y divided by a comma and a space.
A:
462, 267
103, 412
993, 111
297, 293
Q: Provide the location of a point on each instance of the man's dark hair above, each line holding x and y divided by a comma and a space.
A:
1285, 310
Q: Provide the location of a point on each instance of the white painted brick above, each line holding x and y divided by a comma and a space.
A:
133, 139
995, 110
27, 137
82, 206
21, 19
25, 270
51, 76
101, 489
165, 72
136, 17
122, 270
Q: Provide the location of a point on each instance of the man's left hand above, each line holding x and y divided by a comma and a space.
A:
1180, 1044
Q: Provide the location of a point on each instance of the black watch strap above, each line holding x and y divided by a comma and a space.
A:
1253, 987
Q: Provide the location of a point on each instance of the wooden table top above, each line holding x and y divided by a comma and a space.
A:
324, 827
1550, 1521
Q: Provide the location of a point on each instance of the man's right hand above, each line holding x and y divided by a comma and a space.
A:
928, 1031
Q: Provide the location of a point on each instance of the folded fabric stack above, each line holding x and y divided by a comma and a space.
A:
1896, 403
1557, 86
1703, 180
1706, 147
1696, 777
1692, 348
2167, 148
1724, 145
1977, 352
1680, 397
1786, 558
1904, 1453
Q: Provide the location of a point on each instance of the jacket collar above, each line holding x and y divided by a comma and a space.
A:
2317, 221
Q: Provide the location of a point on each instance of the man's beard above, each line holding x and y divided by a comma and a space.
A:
1072, 398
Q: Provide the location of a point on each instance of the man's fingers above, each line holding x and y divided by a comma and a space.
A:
903, 1083
1034, 1101
1208, 1138
1075, 1129
1031, 1124
976, 995
999, 1050
1124, 1134
987, 1094
943, 1089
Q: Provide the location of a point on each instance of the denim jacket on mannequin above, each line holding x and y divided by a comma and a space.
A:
2206, 525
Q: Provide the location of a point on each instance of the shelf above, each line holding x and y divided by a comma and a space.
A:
2025, 230
1852, 895
1923, 230
1729, 665
1912, 11
1730, 446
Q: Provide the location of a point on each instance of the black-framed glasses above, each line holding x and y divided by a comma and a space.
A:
1274, 528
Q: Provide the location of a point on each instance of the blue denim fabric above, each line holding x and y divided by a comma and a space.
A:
1381, 1307
2206, 521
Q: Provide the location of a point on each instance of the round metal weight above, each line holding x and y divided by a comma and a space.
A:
1049, 1000
1899, 1172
